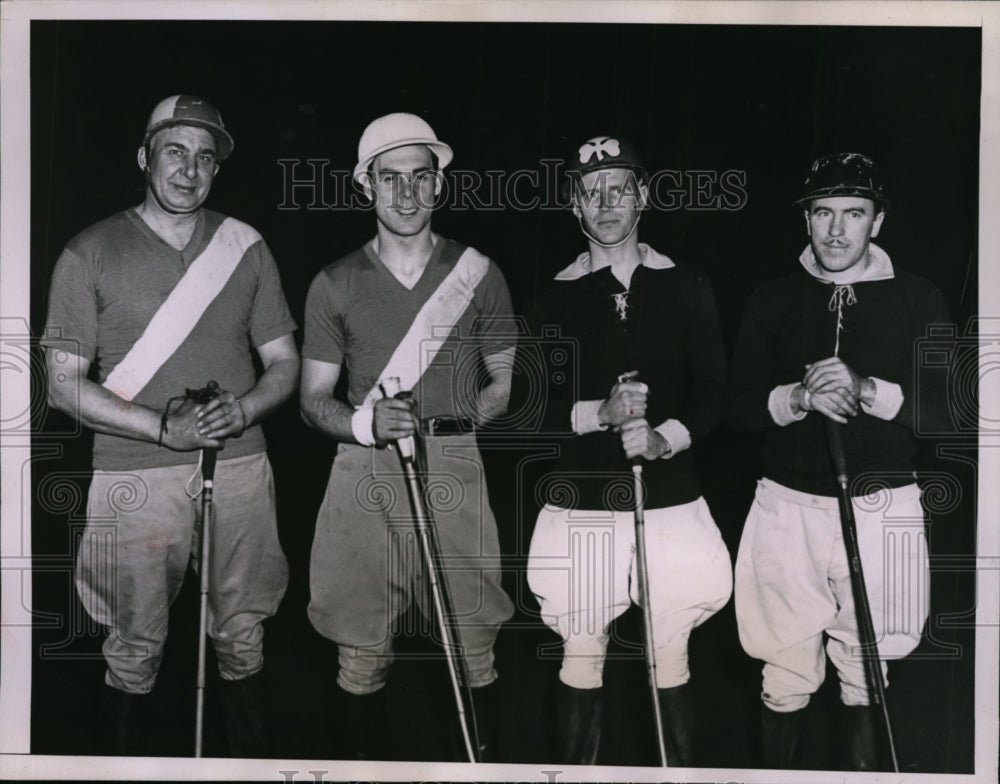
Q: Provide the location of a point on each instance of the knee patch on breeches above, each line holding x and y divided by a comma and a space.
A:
479, 664
672, 662
785, 690
364, 670
851, 673
583, 661
132, 667
237, 661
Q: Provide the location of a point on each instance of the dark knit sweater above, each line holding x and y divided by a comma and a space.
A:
787, 324
672, 337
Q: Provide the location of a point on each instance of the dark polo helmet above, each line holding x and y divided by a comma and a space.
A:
601, 152
843, 174
604, 152
189, 110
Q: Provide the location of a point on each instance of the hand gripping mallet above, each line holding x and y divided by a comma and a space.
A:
208, 456
866, 629
844, 295
440, 596
642, 572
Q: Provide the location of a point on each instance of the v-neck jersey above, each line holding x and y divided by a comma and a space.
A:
430, 277
110, 281
195, 245
357, 313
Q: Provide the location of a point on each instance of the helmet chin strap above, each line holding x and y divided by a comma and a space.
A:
592, 238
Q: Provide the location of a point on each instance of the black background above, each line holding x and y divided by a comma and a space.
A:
760, 100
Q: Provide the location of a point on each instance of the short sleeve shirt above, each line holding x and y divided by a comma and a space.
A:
109, 282
357, 313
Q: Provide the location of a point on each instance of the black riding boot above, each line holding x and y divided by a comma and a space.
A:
367, 715
578, 724
861, 734
243, 709
678, 712
122, 718
484, 721
782, 735
485, 701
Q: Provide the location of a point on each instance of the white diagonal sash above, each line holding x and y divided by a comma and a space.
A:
433, 324
176, 317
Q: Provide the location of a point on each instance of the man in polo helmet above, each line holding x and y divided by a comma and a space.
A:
413, 306
164, 297
834, 340
629, 308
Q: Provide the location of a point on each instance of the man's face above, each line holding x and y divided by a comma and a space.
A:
405, 187
180, 167
841, 227
609, 202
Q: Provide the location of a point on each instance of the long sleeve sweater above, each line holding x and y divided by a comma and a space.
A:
792, 321
666, 327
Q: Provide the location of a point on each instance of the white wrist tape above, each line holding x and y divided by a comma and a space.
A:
361, 426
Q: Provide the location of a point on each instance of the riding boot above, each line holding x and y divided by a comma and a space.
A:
482, 727
678, 711
367, 715
578, 724
782, 736
122, 718
860, 732
243, 709
484, 700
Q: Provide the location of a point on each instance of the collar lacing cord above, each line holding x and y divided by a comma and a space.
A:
621, 304
842, 295
196, 475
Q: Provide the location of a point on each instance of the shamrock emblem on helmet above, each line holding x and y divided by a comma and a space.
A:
599, 146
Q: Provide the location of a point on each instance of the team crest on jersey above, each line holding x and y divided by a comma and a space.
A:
621, 305
601, 147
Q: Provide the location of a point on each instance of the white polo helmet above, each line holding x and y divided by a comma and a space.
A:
398, 130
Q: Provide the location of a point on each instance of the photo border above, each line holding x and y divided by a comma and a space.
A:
15, 539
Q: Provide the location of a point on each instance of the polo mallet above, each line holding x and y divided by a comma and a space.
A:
849, 532
642, 572
440, 595
866, 629
208, 456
